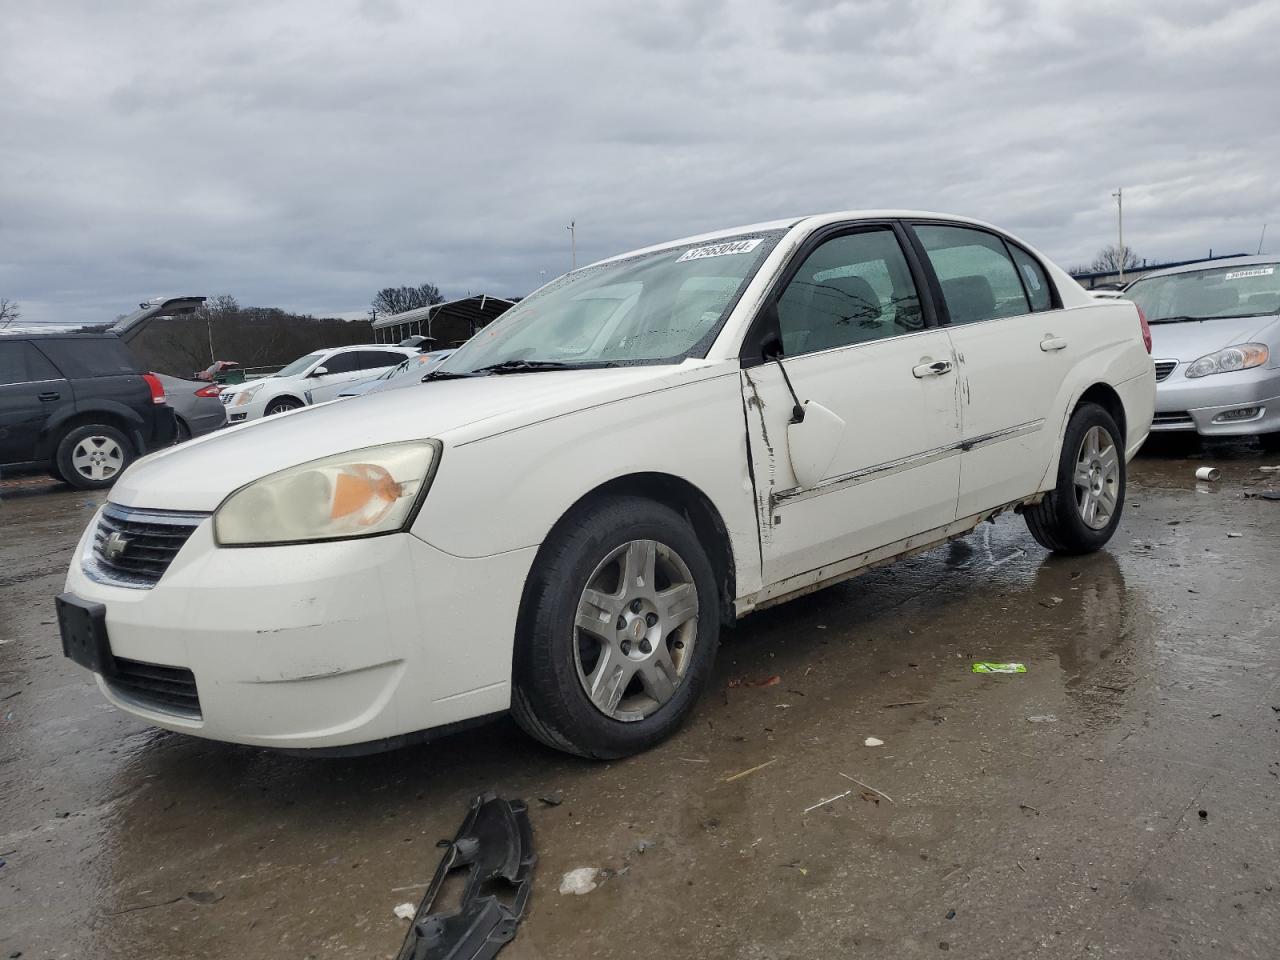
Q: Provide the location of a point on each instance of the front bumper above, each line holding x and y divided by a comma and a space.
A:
1199, 406
318, 645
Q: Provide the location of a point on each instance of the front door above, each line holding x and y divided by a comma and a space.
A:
855, 340
1014, 351
340, 370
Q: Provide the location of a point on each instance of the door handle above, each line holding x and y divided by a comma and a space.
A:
50, 396
1049, 344
935, 369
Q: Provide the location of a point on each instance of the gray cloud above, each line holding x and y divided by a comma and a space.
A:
304, 155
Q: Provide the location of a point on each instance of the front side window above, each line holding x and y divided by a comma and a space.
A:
657, 307
1248, 290
851, 289
978, 279
20, 362
300, 365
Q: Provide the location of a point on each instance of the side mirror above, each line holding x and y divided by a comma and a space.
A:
319, 371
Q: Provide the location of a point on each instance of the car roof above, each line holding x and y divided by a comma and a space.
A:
44, 333
810, 221
1265, 258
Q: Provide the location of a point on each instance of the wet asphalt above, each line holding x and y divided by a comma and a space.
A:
1119, 799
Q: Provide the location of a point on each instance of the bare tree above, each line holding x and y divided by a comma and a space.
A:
8, 312
399, 299
1111, 258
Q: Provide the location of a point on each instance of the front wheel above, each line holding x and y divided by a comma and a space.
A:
1082, 511
283, 405
619, 630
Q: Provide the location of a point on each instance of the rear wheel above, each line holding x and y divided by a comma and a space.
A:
1082, 511
92, 457
183, 432
619, 630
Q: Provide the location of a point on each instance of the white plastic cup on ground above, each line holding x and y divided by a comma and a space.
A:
1208, 473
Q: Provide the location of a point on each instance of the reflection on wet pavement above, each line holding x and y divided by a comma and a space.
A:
1153, 677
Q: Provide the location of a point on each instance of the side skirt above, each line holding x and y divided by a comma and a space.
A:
814, 580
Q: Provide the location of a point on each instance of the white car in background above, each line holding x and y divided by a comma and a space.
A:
313, 378
561, 518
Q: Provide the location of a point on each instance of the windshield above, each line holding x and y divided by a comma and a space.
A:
1248, 290
651, 308
295, 368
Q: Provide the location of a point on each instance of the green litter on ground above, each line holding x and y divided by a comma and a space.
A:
990, 666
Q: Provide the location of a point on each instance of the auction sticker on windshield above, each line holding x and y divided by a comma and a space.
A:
1240, 274
721, 249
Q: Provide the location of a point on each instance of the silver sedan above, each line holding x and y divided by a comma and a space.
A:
1215, 332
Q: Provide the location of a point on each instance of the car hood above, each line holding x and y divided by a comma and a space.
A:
1189, 340
199, 474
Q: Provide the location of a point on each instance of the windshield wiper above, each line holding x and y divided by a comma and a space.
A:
1177, 319
537, 366
445, 375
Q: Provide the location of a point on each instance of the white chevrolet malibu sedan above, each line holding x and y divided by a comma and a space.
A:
561, 519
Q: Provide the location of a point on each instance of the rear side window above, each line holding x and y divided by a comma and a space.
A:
1033, 278
378, 359
20, 362
83, 357
978, 279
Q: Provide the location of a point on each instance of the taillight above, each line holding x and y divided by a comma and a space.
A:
157, 388
1146, 328
212, 390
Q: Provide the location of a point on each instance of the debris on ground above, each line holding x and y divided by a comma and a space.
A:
991, 666
1027, 806
1262, 494
873, 742
1270, 469
823, 803
579, 881
405, 911
903, 703
552, 799
764, 682
1208, 473
744, 773
1050, 602
203, 896
494, 849
951, 914
867, 786
1204, 814
1043, 718
1231, 535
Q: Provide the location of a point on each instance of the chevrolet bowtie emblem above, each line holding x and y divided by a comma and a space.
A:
115, 546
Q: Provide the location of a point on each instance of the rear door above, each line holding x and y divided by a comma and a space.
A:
1014, 351
856, 339
32, 391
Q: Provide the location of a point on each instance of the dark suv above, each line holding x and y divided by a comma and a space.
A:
78, 405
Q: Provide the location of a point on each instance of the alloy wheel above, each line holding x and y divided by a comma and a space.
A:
636, 626
1097, 478
97, 458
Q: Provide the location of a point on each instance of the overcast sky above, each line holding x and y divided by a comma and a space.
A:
305, 154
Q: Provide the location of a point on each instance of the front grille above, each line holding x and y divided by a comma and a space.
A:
133, 548
1172, 419
1164, 368
155, 687
225, 397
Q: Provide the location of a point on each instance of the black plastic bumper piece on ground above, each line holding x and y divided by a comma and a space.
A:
494, 846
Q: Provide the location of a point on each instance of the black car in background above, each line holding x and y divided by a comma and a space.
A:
78, 405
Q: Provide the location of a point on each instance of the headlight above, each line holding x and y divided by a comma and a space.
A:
357, 494
1232, 358
244, 396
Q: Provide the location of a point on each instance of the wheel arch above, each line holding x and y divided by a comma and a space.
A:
686, 499
286, 395
1104, 395
54, 432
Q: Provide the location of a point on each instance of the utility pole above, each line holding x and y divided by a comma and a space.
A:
573, 244
1119, 195
1261, 238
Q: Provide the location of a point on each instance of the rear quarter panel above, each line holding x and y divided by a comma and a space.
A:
1111, 353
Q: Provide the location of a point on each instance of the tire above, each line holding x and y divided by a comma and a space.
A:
92, 457
55, 474
282, 405
182, 433
663, 667
1062, 522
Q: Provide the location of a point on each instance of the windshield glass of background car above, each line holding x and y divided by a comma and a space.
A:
650, 308
1249, 290
295, 368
